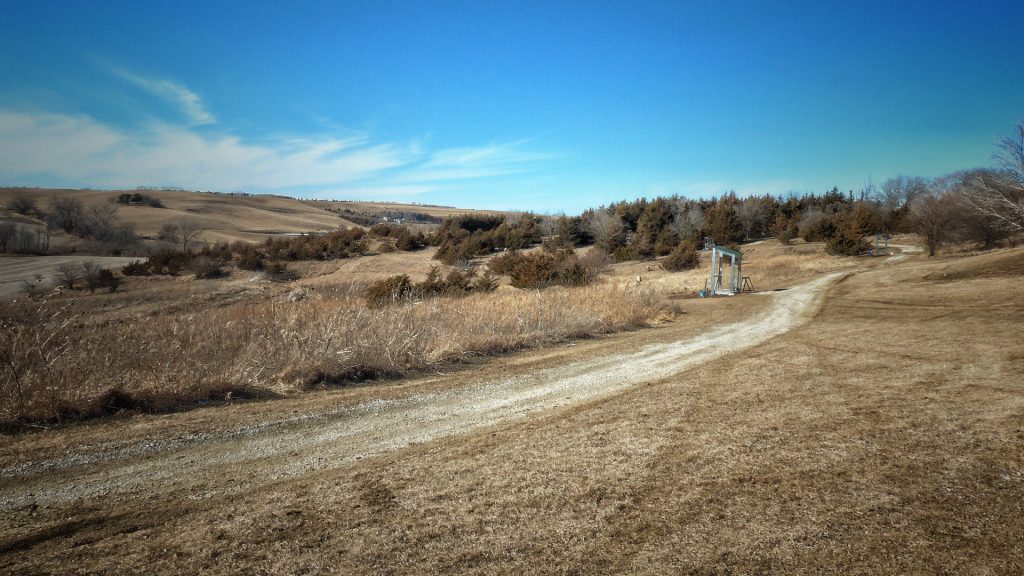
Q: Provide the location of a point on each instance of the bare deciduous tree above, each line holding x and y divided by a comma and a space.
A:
169, 233
23, 204
188, 230
934, 217
900, 191
8, 231
811, 219
67, 213
608, 230
688, 221
1001, 196
100, 222
69, 273
751, 216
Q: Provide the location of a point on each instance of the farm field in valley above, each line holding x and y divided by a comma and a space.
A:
868, 419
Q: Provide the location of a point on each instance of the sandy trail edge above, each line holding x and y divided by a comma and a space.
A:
198, 464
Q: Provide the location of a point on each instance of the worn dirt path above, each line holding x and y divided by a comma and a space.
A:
205, 464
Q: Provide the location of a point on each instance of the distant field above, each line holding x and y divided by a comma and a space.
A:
230, 217
437, 211
14, 270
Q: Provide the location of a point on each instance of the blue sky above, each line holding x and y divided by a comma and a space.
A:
545, 106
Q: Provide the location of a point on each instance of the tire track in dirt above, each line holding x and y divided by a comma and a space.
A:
211, 465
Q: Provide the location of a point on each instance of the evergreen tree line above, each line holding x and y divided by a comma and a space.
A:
983, 206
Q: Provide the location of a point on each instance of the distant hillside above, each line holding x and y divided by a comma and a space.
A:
229, 217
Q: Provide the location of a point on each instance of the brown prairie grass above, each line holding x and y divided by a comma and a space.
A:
770, 266
882, 437
60, 364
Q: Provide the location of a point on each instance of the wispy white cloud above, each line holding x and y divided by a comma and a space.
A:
190, 103
43, 148
383, 192
478, 162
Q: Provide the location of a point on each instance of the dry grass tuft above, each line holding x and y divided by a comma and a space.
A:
59, 364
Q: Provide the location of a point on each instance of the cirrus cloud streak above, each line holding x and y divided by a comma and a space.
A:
47, 149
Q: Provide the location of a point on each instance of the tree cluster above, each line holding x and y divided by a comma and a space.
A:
560, 267
401, 288
139, 199
461, 238
403, 238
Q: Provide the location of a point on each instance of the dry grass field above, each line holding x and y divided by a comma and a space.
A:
245, 343
15, 270
221, 217
168, 343
884, 433
228, 217
380, 207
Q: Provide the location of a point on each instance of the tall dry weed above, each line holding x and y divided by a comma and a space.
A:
58, 365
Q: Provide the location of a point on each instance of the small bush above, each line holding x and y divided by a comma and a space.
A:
560, 267
626, 253
249, 258
388, 291
403, 238
787, 235
101, 278
279, 272
486, 282
206, 268
136, 268
846, 243
503, 264
534, 270
683, 257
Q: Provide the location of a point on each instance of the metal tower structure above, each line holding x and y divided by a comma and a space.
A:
716, 287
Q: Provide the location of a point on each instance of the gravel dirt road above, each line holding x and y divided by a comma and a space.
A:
266, 451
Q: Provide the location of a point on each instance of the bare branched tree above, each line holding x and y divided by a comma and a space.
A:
900, 191
8, 231
810, 219
751, 214
169, 233
607, 229
1001, 195
69, 273
188, 230
688, 221
935, 217
897, 193
100, 222
24, 204
67, 213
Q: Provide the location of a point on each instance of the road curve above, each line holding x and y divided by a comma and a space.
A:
205, 465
